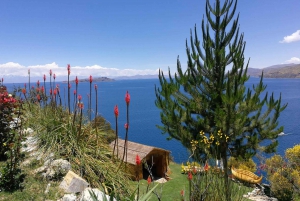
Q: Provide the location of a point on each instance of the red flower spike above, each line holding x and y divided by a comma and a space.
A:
126, 126
50, 72
38, 97
137, 160
182, 193
74, 92
194, 170
116, 111
149, 180
54, 76
91, 79
190, 176
24, 91
96, 87
206, 167
54, 92
69, 67
69, 86
38, 83
44, 77
50, 91
80, 105
127, 98
37, 90
79, 97
76, 80
43, 89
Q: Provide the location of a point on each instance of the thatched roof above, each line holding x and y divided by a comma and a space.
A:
134, 149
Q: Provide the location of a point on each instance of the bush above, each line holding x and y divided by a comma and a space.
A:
284, 174
11, 137
242, 164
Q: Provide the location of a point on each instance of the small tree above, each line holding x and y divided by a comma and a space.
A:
213, 100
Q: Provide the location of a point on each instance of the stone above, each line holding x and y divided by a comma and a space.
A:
73, 183
54, 168
69, 197
86, 195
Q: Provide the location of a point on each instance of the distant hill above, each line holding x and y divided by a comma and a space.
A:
277, 71
135, 77
96, 79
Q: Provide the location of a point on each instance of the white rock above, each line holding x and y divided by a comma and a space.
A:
86, 195
69, 197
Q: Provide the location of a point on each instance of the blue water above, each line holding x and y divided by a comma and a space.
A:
144, 116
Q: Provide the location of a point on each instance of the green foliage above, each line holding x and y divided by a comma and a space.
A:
11, 176
284, 174
242, 164
210, 95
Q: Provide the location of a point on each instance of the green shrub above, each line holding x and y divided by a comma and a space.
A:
283, 174
242, 164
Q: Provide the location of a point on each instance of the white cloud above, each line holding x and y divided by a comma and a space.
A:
292, 38
294, 60
37, 71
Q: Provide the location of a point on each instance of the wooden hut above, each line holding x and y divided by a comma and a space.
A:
156, 158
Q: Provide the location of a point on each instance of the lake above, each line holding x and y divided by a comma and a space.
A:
144, 116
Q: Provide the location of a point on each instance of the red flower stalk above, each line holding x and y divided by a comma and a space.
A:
80, 106
116, 111
206, 167
126, 126
54, 76
74, 92
69, 86
79, 97
37, 90
50, 91
38, 97
190, 176
194, 170
76, 80
69, 69
24, 91
182, 193
91, 79
137, 160
96, 87
42, 89
149, 180
127, 98
44, 77
50, 72
38, 83
54, 92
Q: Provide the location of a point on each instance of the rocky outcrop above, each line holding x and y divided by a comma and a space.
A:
75, 187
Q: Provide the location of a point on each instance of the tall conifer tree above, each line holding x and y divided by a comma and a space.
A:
210, 95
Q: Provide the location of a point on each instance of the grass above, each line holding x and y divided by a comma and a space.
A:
171, 189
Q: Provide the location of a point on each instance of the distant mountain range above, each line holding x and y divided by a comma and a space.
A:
136, 77
96, 79
277, 71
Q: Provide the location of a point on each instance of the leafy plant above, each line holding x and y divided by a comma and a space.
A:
11, 176
284, 174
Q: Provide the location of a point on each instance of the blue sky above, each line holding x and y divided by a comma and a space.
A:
117, 37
